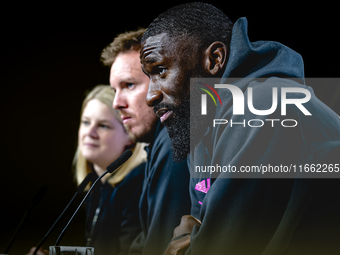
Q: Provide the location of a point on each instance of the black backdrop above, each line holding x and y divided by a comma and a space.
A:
50, 56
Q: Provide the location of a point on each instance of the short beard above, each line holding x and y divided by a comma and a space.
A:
179, 130
178, 127
184, 132
149, 132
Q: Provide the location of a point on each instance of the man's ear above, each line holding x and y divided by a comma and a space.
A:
215, 58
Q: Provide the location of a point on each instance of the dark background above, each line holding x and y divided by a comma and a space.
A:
50, 56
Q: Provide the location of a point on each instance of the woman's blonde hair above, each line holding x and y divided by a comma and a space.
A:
82, 167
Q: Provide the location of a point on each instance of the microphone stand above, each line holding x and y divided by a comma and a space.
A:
80, 189
80, 205
58, 250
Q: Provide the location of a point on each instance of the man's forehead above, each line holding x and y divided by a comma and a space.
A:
126, 61
154, 44
126, 68
155, 39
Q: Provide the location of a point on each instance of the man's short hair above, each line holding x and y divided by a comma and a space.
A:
203, 22
123, 42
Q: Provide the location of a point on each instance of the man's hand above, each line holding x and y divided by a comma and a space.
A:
179, 244
187, 224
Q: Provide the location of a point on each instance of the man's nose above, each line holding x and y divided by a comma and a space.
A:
119, 102
154, 95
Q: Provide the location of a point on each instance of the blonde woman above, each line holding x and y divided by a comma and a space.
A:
112, 208
112, 220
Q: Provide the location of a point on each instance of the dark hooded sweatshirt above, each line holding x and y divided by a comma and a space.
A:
112, 221
266, 215
165, 196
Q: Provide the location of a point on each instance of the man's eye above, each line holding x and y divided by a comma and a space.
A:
161, 70
129, 85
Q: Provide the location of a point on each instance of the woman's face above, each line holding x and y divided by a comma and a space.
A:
102, 139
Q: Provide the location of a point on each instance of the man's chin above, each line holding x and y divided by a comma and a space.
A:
144, 137
180, 140
146, 133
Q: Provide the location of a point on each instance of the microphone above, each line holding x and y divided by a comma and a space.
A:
110, 169
119, 161
35, 201
90, 177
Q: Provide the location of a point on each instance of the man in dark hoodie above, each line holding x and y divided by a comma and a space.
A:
284, 127
165, 196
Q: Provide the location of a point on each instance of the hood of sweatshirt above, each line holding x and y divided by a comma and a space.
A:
249, 61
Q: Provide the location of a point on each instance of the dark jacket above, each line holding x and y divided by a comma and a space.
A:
112, 214
266, 215
165, 197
